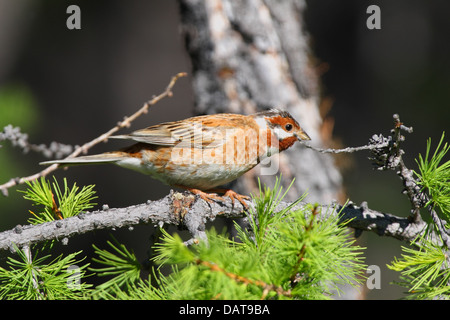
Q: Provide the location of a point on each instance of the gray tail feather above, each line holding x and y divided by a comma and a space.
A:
94, 159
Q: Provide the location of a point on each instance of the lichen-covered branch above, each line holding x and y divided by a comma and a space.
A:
19, 139
192, 213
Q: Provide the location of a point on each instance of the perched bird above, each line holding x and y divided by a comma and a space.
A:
203, 152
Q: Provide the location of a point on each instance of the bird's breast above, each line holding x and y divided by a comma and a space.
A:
196, 165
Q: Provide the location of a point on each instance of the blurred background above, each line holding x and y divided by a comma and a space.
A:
72, 85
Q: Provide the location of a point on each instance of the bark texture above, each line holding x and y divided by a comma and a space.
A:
192, 213
250, 55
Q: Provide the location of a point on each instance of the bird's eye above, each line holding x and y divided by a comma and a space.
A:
288, 127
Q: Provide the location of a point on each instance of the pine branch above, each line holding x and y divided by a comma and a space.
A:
192, 213
266, 286
387, 154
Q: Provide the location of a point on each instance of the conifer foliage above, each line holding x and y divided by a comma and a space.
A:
424, 266
291, 254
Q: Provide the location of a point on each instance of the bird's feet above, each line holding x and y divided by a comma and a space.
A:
236, 196
208, 197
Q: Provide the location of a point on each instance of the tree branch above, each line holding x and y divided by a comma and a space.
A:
126, 122
349, 149
192, 213
18, 139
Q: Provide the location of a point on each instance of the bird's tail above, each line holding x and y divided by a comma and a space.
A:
93, 159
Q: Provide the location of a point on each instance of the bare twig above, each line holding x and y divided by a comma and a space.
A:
20, 140
348, 149
247, 281
392, 158
126, 122
412, 189
27, 252
444, 233
301, 253
387, 154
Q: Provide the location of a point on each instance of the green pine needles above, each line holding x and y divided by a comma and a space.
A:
32, 276
434, 177
68, 203
424, 266
424, 270
283, 254
121, 264
40, 278
287, 254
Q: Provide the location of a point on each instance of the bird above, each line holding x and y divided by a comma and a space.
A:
204, 152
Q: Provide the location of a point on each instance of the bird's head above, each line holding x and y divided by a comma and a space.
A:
282, 127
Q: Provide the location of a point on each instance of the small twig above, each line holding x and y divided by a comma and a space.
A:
56, 211
265, 286
440, 225
387, 154
417, 198
412, 189
301, 253
20, 140
348, 149
82, 149
27, 252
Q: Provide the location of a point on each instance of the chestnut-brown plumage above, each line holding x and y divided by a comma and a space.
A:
204, 152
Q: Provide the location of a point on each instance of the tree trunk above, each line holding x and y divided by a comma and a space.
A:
249, 55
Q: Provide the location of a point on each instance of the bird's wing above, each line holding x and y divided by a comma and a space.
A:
180, 134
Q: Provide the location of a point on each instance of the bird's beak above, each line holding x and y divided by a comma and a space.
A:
302, 135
